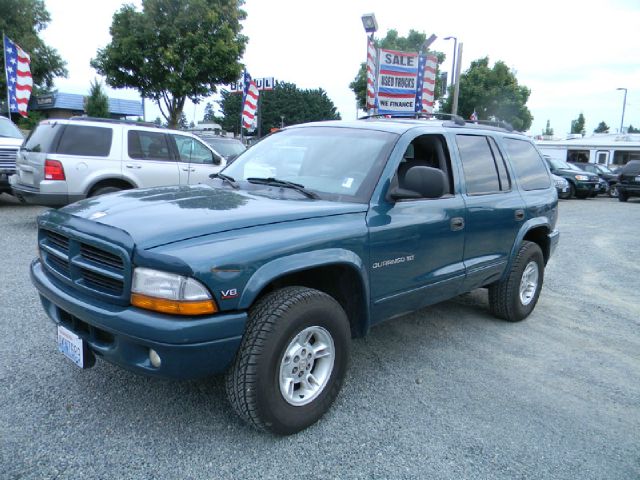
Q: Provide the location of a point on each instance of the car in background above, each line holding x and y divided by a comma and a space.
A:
629, 181
63, 161
10, 140
562, 186
228, 148
581, 184
606, 176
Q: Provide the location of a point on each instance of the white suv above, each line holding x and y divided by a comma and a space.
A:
10, 141
63, 161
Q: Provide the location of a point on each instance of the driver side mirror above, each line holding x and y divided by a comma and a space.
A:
420, 182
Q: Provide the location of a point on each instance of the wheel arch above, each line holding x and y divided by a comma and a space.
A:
337, 272
109, 182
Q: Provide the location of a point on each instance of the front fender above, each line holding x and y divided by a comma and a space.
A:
282, 266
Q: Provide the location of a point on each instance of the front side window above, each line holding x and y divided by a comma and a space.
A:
85, 141
145, 145
192, 151
478, 164
528, 164
341, 164
426, 151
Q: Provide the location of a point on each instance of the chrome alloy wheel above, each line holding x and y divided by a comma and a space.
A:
529, 283
306, 366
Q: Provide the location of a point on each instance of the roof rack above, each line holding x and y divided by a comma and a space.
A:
495, 123
457, 119
115, 120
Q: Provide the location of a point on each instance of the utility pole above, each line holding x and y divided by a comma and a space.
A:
456, 90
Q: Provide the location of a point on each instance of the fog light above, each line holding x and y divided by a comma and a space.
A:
154, 358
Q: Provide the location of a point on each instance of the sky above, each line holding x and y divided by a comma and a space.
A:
572, 55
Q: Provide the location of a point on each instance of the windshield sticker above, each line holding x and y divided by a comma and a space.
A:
394, 261
347, 182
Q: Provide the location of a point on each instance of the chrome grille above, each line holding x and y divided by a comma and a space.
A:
8, 158
85, 266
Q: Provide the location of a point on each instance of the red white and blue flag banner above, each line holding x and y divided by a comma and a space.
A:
426, 83
397, 82
372, 63
250, 95
18, 73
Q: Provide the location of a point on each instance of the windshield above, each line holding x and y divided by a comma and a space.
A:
226, 148
8, 129
560, 164
603, 169
341, 164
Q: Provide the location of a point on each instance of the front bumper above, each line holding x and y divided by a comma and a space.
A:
190, 347
629, 189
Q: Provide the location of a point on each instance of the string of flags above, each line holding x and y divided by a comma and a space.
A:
18, 74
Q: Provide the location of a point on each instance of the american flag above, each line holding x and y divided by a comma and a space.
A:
19, 80
250, 95
372, 56
474, 116
426, 83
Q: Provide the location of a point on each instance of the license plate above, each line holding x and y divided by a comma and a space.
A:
565, 189
71, 345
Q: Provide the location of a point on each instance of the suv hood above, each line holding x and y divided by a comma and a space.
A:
161, 215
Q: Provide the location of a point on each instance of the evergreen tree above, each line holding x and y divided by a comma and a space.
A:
602, 128
97, 103
548, 131
577, 125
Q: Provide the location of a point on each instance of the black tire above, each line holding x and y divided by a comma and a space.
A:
504, 295
572, 191
623, 196
252, 383
103, 190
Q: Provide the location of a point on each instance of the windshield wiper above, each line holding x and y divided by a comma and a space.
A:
276, 182
226, 178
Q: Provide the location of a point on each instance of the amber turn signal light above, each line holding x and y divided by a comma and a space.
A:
173, 307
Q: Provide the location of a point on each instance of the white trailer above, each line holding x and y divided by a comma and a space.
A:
612, 150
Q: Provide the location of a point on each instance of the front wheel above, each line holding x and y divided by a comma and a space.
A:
514, 297
291, 362
623, 196
613, 191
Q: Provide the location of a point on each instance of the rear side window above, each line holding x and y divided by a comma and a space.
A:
528, 164
479, 165
148, 145
85, 141
43, 137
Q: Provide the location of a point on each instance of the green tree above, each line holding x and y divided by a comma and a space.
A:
602, 128
183, 124
286, 103
411, 43
548, 131
173, 50
577, 125
22, 21
97, 103
631, 129
493, 92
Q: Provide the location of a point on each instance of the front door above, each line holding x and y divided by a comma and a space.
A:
416, 245
195, 160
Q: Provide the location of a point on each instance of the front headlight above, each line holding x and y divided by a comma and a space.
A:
582, 178
561, 183
170, 293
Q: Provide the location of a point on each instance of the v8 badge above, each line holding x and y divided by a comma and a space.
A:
229, 294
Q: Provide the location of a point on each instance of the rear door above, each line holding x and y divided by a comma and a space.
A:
149, 159
495, 210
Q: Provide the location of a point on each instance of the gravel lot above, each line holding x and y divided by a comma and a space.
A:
447, 392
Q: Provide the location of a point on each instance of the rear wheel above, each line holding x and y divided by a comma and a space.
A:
103, 190
291, 362
514, 297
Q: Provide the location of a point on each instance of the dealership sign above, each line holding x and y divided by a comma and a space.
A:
404, 82
265, 83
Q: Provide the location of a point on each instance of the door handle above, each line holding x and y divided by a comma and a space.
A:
188, 169
133, 165
457, 223
519, 215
